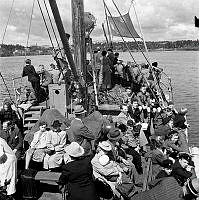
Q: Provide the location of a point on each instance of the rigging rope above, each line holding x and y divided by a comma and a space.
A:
45, 24
52, 25
7, 22
33, 5
108, 28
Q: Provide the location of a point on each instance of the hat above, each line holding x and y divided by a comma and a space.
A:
183, 111
56, 123
105, 146
103, 160
114, 134
79, 109
193, 186
28, 61
130, 123
167, 164
74, 150
41, 123
170, 103
185, 156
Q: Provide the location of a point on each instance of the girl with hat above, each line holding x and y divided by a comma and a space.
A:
78, 175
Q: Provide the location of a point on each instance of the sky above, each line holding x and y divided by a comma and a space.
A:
160, 19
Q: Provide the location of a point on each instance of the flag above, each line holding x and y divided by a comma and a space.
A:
196, 22
117, 23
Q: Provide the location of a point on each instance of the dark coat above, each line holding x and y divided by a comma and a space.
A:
9, 115
78, 175
165, 189
29, 71
162, 174
157, 159
180, 173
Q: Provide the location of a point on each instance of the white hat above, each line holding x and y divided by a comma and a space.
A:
74, 150
105, 146
103, 160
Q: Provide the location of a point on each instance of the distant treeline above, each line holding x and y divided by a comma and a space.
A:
19, 50
151, 45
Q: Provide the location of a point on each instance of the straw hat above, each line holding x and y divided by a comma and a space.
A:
105, 146
74, 150
104, 160
79, 109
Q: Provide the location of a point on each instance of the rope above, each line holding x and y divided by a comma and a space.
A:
33, 5
7, 22
52, 25
45, 24
108, 28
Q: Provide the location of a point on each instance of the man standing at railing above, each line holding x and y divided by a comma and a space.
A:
33, 78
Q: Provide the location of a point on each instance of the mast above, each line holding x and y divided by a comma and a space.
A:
63, 37
78, 30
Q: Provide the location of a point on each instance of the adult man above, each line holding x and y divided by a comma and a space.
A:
179, 169
167, 169
33, 77
168, 189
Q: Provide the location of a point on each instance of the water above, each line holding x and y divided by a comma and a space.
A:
181, 66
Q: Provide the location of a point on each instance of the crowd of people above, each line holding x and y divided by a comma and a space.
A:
116, 157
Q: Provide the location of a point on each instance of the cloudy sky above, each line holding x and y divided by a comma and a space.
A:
160, 19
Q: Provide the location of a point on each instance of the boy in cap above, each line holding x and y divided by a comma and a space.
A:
167, 169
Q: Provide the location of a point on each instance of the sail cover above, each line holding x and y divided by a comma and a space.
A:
119, 28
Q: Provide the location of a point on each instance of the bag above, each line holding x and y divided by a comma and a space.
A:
127, 188
29, 184
103, 189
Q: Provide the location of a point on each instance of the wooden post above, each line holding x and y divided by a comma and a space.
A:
79, 43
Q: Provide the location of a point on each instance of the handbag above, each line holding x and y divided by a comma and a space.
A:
103, 189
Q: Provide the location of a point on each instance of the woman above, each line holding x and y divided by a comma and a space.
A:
8, 114
38, 146
78, 175
8, 167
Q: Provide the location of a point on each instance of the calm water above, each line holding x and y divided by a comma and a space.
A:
181, 66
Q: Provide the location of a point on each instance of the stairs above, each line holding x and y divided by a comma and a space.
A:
31, 116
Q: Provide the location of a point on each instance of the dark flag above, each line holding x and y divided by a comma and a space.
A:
117, 23
196, 22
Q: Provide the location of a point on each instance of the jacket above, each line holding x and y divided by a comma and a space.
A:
79, 180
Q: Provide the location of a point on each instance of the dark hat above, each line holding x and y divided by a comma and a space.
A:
114, 134
130, 123
28, 61
167, 164
56, 124
185, 156
155, 64
170, 103
41, 123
